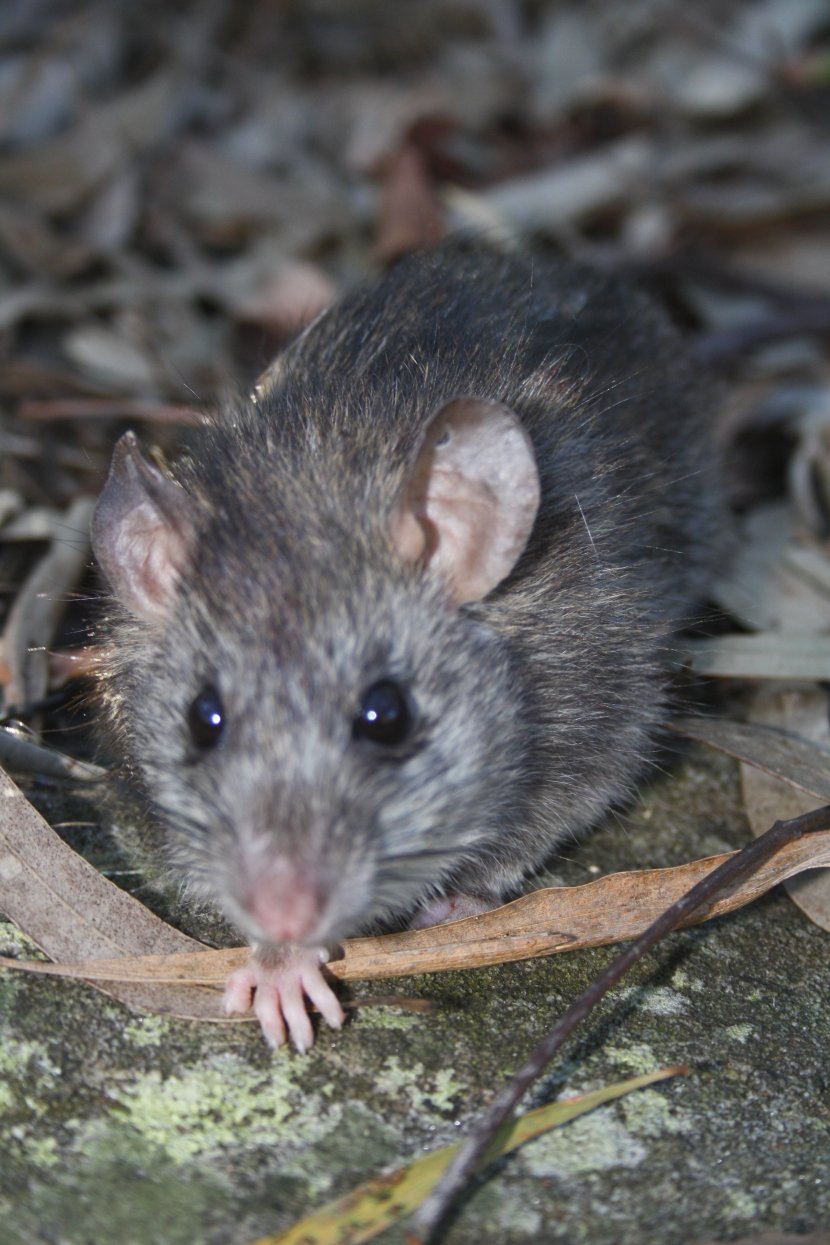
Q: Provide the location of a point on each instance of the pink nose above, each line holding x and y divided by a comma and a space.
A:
286, 910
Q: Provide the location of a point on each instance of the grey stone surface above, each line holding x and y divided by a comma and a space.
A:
115, 1127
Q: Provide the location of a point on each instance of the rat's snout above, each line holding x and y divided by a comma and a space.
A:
283, 904
294, 892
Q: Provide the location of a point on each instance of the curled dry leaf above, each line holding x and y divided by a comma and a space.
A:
69, 909
804, 712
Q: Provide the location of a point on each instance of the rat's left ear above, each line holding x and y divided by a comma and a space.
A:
143, 531
469, 505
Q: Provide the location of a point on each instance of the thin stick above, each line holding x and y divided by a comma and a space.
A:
733, 870
111, 408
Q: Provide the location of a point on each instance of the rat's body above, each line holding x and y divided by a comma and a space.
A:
400, 627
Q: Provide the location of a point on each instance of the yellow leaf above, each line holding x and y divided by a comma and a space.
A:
374, 1205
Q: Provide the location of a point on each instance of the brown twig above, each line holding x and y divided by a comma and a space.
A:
733, 870
422, 1007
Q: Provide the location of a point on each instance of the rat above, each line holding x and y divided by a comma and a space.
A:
398, 625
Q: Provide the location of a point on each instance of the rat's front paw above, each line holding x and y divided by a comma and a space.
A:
452, 907
279, 980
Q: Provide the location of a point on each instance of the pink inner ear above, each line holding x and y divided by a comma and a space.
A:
473, 493
142, 532
153, 558
408, 534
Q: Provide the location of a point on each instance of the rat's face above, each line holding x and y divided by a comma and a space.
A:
316, 777
328, 734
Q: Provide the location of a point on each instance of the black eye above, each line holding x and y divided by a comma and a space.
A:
384, 715
206, 718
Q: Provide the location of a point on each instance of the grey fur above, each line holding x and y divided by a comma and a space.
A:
536, 708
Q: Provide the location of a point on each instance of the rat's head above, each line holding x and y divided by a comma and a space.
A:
324, 724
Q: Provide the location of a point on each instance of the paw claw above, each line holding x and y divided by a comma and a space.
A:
277, 985
239, 990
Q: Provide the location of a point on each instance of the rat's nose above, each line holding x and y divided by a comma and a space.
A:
286, 908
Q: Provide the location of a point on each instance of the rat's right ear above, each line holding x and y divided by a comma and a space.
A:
143, 531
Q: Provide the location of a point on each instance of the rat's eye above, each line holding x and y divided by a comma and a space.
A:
206, 718
384, 716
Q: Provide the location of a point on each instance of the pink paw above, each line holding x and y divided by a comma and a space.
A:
278, 981
453, 907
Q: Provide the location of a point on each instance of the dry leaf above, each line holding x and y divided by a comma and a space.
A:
738, 72
545, 922
803, 711
107, 357
794, 258
567, 62
379, 114
576, 189
410, 213
769, 655
27, 237
812, 566
768, 588
110, 218
34, 94
38, 606
291, 298
797, 762
61, 172
470, 213
226, 200
71, 911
